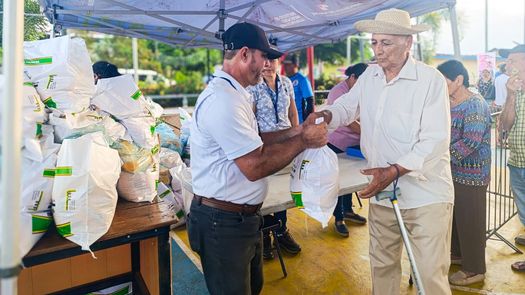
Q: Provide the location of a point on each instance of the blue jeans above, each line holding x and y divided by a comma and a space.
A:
517, 185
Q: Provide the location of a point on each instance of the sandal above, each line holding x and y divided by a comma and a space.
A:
518, 266
461, 278
520, 240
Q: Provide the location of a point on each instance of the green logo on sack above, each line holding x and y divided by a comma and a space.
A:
180, 214
297, 197
69, 193
40, 224
49, 173
37, 202
165, 193
38, 61
155, 150
64, 229
29, 84
136, 95
38, 132
50, 103
50, 80
64, 171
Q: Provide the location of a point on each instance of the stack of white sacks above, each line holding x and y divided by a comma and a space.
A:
84, 142
76, 170
122, 99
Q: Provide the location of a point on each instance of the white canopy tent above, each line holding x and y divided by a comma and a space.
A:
290, 24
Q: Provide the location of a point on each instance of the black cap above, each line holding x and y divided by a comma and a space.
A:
291, 58
517, 49
249, 35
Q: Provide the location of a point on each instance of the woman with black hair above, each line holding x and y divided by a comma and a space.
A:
470, 162
104, 69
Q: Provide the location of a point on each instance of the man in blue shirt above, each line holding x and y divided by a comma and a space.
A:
304, 97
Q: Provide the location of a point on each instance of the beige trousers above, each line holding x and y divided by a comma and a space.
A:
429, 232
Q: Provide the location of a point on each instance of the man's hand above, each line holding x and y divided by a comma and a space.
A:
382, 177
514, 84
314, 135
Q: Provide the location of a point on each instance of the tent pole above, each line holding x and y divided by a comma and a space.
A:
135, 50
348, 51
13, 17
455, 33
222, 16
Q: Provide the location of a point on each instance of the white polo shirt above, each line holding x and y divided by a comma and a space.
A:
224, 128
405, 121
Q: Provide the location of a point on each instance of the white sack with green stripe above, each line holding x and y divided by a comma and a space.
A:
121, 97
314, 183
61, 68
84, 191
33, 116
69, 125
37, 187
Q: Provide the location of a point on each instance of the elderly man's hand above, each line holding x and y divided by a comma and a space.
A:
314, 135
382, 177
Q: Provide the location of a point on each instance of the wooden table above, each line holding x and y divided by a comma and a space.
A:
279, 199
132, 223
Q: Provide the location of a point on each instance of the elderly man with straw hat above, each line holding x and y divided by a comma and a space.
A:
405, 135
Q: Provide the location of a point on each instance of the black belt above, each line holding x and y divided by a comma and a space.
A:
228, 206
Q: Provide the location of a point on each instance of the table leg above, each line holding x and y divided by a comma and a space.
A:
164, 259
139, 286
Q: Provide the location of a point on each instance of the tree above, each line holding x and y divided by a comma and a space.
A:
35, 25
335, 53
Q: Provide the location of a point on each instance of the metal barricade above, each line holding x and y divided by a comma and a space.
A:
500, 201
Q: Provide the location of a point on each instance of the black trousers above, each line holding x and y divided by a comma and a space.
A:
230, 247
469, 226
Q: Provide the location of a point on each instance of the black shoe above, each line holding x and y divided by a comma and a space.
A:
267, 247
354, 217
341, 229
287, 243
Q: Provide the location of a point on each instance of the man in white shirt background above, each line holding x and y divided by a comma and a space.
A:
405, 135
500, 84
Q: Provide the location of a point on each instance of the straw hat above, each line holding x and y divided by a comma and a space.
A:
391, 22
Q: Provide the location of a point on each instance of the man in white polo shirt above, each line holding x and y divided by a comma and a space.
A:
405, 135
230, 163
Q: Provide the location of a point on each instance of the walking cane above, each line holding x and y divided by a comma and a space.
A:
392, 195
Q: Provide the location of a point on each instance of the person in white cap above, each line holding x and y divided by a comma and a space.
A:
405, 136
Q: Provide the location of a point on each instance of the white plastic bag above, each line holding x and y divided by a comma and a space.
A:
84, 192
120, 97
74, 124
139, 186
174, 200
62, 68
142, 131
33, 116
37, 187
314, 183
181, 183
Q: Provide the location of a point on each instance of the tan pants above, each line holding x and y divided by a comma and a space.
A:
429, 231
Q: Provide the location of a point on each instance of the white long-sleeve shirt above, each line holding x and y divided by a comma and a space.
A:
500, 84
405, 121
